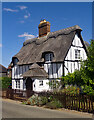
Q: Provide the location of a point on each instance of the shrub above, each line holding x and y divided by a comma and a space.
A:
37, 100
5, 82
73, 78
54, 104
70, 89
44, 100
50, 98
88, 90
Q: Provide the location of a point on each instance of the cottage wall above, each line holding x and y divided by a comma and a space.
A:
38, 88
55, 70
72, 63
17, 72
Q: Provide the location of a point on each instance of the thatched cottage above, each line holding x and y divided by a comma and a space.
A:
47, 57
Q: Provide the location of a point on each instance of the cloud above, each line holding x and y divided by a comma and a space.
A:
0, 45
27, 16
10, 10
27, 36
22, 7
21, 21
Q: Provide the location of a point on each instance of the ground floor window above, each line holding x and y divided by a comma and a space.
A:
41, 83
17, 83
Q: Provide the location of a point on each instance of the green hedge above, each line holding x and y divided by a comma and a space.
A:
5, 82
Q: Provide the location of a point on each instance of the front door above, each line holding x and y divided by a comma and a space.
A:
29, 84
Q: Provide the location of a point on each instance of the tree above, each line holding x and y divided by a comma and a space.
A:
88, 70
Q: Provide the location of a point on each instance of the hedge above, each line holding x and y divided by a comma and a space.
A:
5, 82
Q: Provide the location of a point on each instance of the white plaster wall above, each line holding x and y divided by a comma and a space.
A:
13, 73
65, 69
13, 84
60, 70
24, 86
76, 45
55, 70
21, 69
38, 88
70, 58
77, 41
17, 71
46, 68
50, 70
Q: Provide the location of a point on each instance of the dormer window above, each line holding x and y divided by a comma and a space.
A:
15, 60
48, 57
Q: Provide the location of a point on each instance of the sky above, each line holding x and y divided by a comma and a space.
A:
20, 21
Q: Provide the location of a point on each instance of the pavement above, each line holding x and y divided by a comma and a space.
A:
15, 109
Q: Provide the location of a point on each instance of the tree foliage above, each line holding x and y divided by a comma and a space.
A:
88, 70
5, 82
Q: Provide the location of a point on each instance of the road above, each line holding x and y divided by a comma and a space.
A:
13, 109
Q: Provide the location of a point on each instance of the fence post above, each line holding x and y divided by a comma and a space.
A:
7, 93
92, 104
64, 100
11, 94
72, 101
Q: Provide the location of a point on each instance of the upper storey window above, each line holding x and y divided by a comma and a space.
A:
48, 56
77, 54
15, 60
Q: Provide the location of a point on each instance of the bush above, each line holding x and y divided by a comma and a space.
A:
70, 89
73, 78
5, 82
54, 104
37, 100
44, 100
88, 90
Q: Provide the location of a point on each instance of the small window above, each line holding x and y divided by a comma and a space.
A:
48, 57
15, 60
17, 84
77, 54
41, 83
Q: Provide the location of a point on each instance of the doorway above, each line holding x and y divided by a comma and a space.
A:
29, 84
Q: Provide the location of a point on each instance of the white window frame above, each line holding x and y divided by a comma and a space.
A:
17, 84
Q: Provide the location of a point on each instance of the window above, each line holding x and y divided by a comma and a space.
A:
18, 84
77, 54
48, 57
15, 60
41, 83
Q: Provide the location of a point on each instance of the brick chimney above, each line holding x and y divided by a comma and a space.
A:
44, 28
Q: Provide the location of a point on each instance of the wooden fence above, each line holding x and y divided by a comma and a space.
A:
15, 94
77, 102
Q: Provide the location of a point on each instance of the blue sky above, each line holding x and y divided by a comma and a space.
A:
20, 21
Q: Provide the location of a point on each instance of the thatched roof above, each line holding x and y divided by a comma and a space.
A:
35, 71
57, 42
